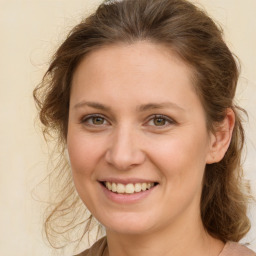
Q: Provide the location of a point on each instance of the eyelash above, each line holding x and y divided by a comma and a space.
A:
166, 119
85, 120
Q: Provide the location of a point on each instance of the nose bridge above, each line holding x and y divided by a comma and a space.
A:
124, 150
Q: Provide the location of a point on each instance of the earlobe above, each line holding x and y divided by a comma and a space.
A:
220, 140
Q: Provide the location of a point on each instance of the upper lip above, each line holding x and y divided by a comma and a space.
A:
127, 181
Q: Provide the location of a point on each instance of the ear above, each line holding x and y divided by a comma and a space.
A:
220, 139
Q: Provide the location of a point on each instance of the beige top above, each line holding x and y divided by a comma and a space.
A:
230, 249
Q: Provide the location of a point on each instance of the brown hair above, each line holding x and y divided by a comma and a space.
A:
188, 32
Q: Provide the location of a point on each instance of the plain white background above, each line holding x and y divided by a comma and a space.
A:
29, 33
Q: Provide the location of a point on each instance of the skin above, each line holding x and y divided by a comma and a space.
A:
126, 86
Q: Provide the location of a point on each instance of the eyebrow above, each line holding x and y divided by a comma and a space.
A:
141, 108
92, 105
162, 105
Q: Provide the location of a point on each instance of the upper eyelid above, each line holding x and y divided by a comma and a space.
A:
171, 120
86, 117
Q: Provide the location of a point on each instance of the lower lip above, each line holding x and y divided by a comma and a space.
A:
127, 198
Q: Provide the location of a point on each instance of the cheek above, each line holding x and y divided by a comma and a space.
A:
181, 163
83, 153
84, 157
181, 158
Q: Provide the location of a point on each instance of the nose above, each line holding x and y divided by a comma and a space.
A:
124, 151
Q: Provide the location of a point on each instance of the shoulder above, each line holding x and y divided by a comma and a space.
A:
236, 249
97, 249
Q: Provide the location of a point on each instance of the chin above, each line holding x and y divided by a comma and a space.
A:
129, 224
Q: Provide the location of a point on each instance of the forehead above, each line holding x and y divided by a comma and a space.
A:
134, 70
141, 56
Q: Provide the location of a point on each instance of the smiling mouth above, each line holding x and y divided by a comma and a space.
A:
130, 188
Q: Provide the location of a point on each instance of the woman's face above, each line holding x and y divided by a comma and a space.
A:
136, 123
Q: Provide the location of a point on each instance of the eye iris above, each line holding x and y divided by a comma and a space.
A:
97, 120
159, 121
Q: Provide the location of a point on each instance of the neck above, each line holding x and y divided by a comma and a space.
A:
189, 239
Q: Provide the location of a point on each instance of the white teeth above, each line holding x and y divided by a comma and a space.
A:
137, 187
114, 187
109, 185
144, 186
120, 188
129, 188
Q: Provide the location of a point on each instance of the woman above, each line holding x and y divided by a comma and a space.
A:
141, 95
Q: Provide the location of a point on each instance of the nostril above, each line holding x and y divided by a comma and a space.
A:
123, 155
